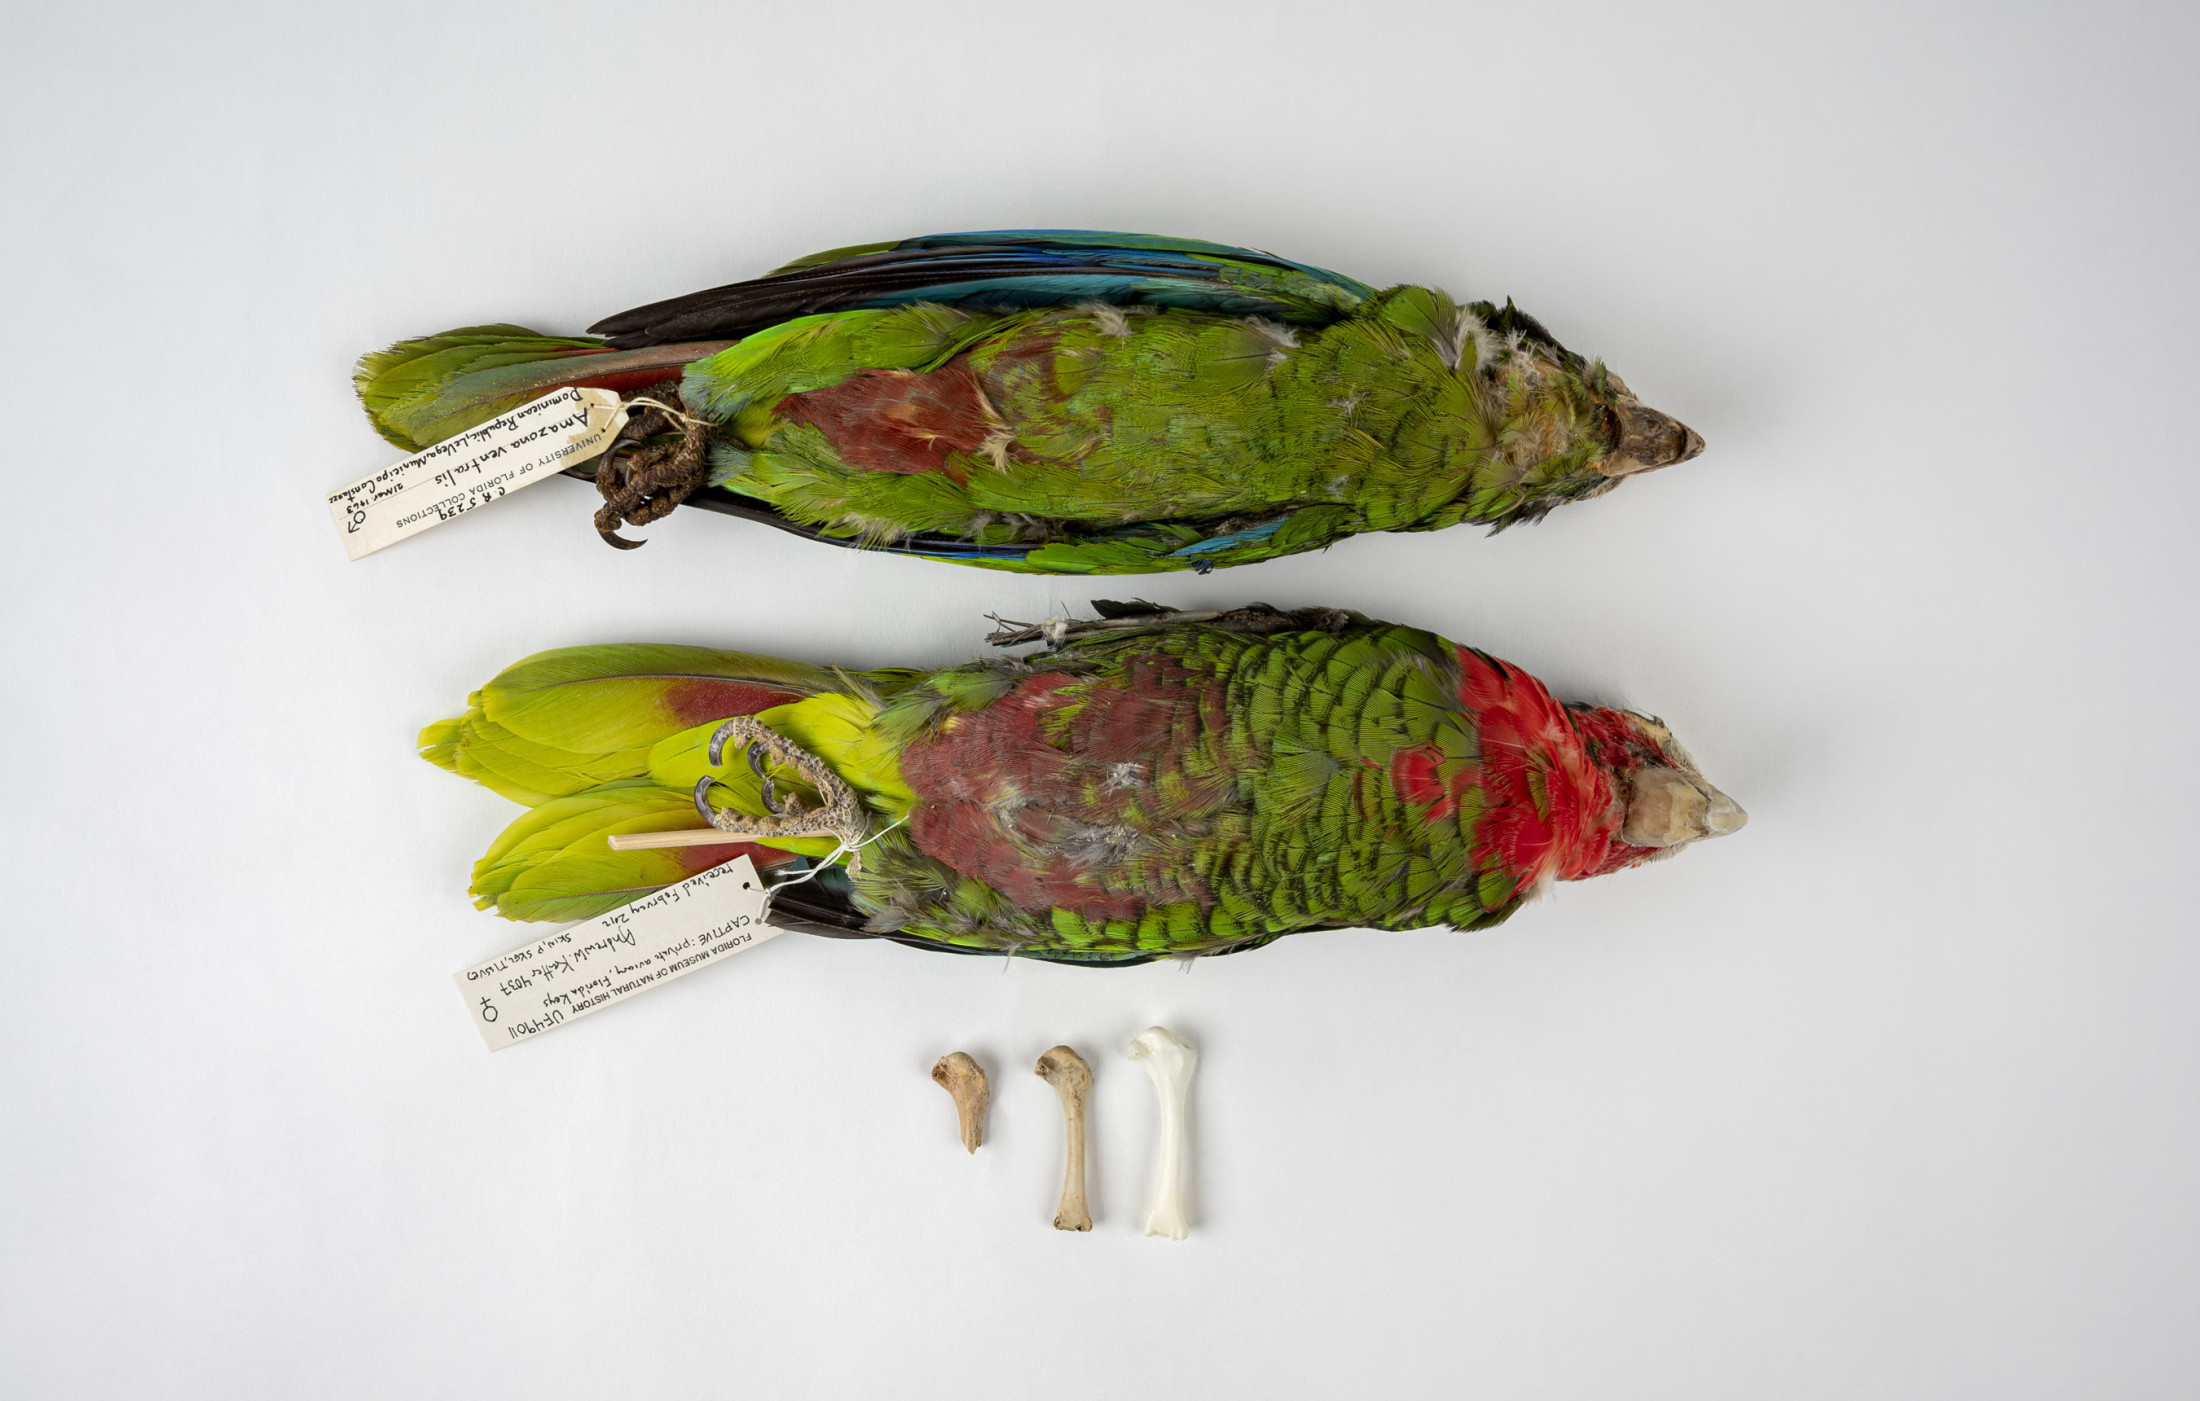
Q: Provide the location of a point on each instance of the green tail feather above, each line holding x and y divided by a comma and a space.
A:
566, 721
553, 862
439, 742
595, 700
603, 740
419, 392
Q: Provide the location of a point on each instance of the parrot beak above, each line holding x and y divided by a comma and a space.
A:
1648, 440
1666, 807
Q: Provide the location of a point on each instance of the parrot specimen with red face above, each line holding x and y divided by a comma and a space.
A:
1157, 784
1061, 402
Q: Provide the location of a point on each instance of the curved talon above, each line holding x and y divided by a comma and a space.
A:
758, 750
645, 485
610, 463
764, 776
726, 819
841, 817
718, 738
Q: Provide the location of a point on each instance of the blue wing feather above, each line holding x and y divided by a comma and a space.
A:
999, 270
1156, 248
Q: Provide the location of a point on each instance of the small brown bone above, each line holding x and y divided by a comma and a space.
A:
959, 1075
1071, 1078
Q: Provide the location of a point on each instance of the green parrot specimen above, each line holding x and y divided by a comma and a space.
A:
1159, 784
1062, 402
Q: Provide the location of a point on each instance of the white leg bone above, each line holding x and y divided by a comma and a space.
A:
960, 1076
1168, 1064
1071, 1078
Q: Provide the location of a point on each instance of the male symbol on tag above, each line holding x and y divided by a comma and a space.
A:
558, 979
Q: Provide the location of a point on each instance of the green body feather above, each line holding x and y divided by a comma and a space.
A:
1113, 432
1253, 798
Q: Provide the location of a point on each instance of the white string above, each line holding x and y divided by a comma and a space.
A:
687, 418
842, 847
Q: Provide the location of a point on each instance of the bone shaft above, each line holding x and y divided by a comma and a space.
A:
1074, 1215
1166, 1216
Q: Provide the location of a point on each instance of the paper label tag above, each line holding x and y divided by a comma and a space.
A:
585, 969
516, 449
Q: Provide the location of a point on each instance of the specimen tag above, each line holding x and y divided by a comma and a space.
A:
586, 968
508, 452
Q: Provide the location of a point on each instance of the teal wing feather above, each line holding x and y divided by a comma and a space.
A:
1002, 270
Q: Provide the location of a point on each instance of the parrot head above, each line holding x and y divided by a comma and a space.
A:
1569, 791
1563, 418
1641, 438
1660, 800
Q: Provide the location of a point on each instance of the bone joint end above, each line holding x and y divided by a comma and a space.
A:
960, 1076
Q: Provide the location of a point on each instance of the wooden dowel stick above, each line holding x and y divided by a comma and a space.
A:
692, 836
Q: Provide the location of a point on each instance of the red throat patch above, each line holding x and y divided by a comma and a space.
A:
1548, 806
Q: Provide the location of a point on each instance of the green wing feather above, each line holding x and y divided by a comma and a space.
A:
816, 352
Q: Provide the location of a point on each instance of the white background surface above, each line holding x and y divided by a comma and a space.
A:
1891, 1095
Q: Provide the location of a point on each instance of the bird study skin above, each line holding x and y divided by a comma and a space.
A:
1157, 784
1061, 402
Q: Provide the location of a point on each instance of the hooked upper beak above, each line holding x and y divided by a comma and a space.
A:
1648, 440
1666, 807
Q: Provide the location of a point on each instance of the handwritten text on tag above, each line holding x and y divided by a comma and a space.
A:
513, 450
584, 969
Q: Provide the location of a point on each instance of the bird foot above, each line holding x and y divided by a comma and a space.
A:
841, 817
647, 470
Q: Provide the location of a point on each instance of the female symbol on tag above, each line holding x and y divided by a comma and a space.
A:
588, 967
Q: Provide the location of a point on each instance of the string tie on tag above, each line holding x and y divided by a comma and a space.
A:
843, 847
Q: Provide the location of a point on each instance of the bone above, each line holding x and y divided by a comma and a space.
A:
960, 1076
1071, 1078
1169, 1063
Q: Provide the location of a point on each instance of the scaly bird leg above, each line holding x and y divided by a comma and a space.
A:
656, 476
841, 817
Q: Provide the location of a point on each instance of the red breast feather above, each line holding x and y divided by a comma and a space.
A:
1550, 776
